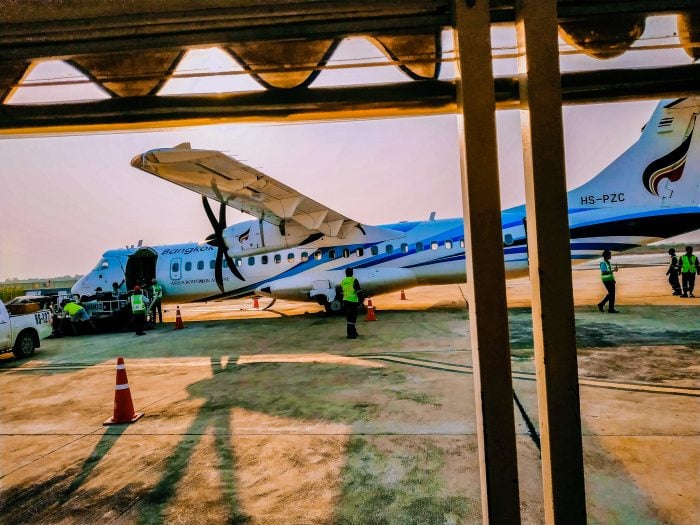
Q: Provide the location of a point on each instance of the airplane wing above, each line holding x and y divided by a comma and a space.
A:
221, 178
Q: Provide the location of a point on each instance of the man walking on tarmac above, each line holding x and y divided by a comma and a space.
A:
139, 302
156, 296
350, 287
689, 267
606, 275
672, 273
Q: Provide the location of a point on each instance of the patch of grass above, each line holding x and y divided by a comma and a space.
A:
419, 397
405, 487
319, 392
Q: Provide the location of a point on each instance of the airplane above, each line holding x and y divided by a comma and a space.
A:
297, 249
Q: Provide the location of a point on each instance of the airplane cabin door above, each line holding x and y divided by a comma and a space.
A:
176, 269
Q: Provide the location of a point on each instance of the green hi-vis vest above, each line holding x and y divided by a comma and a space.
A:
137, 304
72, 308
348, 286
606, 271
689, 263
157, 291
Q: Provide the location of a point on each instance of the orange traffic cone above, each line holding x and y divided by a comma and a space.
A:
403, 295
370, 313
178, 319
256, 304
369, 303
123, 407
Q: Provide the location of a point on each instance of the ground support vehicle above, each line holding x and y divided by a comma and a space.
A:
22, 333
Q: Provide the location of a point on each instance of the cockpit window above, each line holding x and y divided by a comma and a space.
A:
102, 265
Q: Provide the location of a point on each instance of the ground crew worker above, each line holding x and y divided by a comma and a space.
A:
139, 303
351, 287
156, 296
77, 314
689, 267
672, 273
606, 275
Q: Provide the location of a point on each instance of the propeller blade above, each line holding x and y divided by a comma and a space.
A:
222, 216
210, 215
232, 266
217, 239
217, 269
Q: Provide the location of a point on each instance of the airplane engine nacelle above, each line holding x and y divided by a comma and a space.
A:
253, 237
322, 286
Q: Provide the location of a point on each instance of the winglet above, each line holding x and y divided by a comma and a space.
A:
184, 145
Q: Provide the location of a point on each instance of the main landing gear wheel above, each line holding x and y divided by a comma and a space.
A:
333, 307
24, 346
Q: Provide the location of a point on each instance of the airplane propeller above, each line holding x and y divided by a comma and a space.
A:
217, 239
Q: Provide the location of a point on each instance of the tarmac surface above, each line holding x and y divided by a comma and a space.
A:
271, 417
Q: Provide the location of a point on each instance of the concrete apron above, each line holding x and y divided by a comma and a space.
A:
285, 421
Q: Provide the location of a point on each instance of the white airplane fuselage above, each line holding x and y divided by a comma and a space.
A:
649, 193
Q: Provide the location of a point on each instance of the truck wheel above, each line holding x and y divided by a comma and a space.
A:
24, 346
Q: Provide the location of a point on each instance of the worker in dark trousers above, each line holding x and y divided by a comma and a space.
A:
608, 278
156, 296
689, 267
139, 304
672, 273
351, 288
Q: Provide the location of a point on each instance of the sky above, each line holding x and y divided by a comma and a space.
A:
67, 199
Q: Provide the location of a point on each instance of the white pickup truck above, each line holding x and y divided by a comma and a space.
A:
22, 334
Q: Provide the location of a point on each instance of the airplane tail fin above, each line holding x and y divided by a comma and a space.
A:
662, 169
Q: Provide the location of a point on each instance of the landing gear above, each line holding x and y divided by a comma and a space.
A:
333, 307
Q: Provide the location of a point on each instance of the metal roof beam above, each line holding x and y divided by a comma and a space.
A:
39, 29
388, 100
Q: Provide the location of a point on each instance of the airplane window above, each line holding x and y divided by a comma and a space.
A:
290, 257
419, 246
304, 256
508, 239
375, 250
102, 265
389, 248
448, 245
200, 265
461, 243
176, 267
346, 252
212, 263
278, 258
318, 254
331, 254
404, 247
239, 262
251, 261
434, 245
188, 266
360, 252
263, 259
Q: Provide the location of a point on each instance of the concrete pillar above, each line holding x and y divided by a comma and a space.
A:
488, 313
550, 262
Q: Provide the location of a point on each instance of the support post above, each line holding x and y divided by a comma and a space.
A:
488, 312
550, 262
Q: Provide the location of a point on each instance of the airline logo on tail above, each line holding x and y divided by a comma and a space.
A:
244, 236
670, 166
